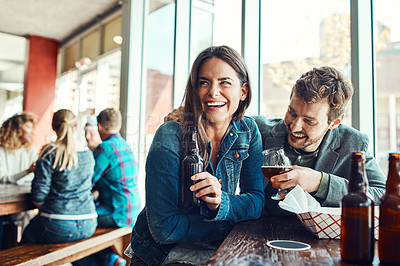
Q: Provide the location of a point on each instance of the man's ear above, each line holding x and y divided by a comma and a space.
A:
100, 128
335, 123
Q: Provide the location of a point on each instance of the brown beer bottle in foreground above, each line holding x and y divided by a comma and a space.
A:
191, 165
389, 218
357, 229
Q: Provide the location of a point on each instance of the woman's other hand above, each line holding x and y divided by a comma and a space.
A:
208, 188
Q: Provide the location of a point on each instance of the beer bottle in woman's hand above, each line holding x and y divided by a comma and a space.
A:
357, 241
389, 218
191, 165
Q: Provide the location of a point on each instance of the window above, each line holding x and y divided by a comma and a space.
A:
295, 37
12, 68
228, 23
90, 89
91, 45
71, 54
112, 33
201, 27
159, 64
216, 22
387, 49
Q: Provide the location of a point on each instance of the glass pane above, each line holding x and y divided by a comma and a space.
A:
159, 65
12, 68
67, 94
91, 45
228, 28
112, 33
387, 48
71, 54
88, 93
311, 33
108, 82
201, 31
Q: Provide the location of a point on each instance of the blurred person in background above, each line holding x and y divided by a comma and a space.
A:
61, 188
115, 178
92, 135
17, 154
17, 160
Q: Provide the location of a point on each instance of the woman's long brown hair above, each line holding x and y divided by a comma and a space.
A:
193, 112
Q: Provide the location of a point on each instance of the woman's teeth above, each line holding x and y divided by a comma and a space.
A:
216, 104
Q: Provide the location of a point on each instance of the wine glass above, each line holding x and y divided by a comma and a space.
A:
275, 162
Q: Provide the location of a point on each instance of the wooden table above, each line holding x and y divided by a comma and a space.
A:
15, 199
247, 245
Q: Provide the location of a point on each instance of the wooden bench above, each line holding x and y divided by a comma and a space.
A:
56, 254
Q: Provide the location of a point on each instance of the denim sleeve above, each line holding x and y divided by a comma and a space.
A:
250, 202
101, 162
167, 222
41, 183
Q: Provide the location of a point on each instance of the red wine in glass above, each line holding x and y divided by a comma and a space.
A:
275, 162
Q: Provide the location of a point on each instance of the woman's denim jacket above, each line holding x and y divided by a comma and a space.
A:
66, 192
163, 222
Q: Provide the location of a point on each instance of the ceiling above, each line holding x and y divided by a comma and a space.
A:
54, 19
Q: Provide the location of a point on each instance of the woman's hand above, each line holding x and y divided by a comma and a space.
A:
31, 168
208, 189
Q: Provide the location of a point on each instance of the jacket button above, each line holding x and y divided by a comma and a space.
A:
236, 155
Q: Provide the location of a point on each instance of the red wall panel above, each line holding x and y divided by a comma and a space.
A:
40, 80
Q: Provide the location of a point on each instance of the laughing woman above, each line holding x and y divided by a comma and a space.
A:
216, 97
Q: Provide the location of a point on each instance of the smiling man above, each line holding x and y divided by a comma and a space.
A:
316, 142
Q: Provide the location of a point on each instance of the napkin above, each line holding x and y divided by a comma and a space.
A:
324, 222
299, 201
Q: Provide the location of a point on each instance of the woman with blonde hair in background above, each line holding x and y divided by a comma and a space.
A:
61, 188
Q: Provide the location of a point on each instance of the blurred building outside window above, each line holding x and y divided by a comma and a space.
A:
387, 78
294, 40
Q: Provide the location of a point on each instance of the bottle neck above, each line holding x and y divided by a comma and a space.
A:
393, 180
358, 181
193, 146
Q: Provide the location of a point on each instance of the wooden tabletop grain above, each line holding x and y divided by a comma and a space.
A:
15, 198
247, 245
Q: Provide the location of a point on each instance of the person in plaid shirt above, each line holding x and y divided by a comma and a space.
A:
115, 178
115, 174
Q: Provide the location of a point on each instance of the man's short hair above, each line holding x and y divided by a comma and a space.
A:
324, 83
110, 119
